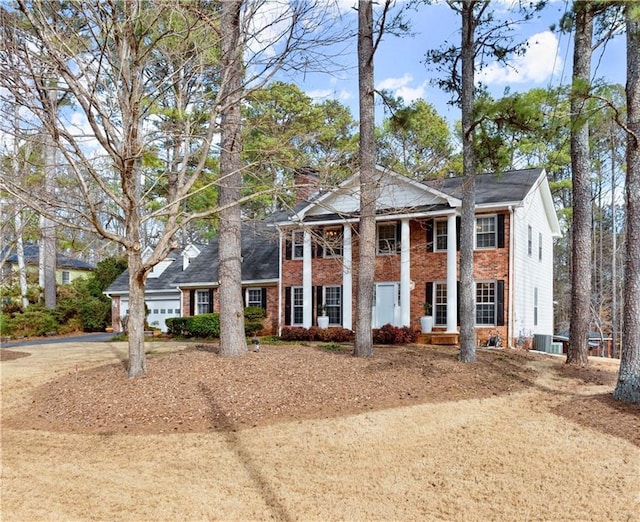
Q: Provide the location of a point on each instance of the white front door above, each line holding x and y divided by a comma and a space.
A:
386, 303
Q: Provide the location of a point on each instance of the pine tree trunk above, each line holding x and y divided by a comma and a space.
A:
578, 350
135, 325
232, 337
628, 386
367, 228
467, 220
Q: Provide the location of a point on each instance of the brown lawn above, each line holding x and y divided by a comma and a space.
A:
302, 433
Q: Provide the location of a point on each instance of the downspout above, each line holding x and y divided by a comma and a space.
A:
280, 234
512, 244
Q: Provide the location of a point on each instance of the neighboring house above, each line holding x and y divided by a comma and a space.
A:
67, 268
297, 263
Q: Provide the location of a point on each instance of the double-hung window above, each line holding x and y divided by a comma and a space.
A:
539, 246
66, 277
254, 297
297, 305
440, 300
333, 304
387, 240
486, 303
332, 238
202, 302
440, 232
297, 244
529, 240
486, 232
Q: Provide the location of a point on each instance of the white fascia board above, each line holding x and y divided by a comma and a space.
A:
547, 200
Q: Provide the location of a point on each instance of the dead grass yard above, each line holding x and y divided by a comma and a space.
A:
301, 433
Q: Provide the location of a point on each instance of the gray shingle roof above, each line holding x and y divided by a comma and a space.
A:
32, 257
259, 254
507, 187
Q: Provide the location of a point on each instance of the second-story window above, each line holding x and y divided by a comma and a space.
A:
441, 230
332, 239
297, 244
387, 240
486, 232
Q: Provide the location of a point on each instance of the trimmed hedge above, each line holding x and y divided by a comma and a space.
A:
390, 334
297, 333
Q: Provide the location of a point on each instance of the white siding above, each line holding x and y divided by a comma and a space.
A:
530, 272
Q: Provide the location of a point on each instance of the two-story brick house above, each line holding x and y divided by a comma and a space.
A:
299, 263
417, 258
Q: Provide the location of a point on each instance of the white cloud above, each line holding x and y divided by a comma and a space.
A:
402, 87
538, 63
319, 95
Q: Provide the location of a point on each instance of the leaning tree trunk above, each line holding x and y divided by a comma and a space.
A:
578, 350
467, 220
628, 386
367, 227
232, 337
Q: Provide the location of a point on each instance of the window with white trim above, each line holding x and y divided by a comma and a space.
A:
486, 232
535, 306
333, 304
202, 302
332, 238
529, 240
297, 244
387, 240
297, 305
254, 297
539, 246
440, 301
66, 277
486, 303
440, 234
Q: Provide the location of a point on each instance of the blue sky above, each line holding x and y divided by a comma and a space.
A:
400, 68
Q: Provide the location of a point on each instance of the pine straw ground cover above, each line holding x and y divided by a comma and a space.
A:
304, 433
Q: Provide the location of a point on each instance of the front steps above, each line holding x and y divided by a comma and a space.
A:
439, 338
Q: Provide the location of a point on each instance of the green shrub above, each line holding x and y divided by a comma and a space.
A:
251, 313
5, 324
34, 321
204, 325
252, 327
95, 314
177, 326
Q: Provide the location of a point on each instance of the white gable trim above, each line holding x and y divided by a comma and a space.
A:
542, 184
352, 181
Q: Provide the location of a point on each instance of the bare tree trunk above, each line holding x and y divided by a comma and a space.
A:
232, 338
467, 221
578, 350
614, 261
22, 269
47, 226
628, 386
135, 325
368, 186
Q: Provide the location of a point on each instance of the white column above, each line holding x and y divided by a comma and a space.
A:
347, 279
405, 273
307, 289
452, 275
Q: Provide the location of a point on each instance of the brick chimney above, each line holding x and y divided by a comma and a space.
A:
306, 182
